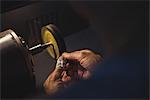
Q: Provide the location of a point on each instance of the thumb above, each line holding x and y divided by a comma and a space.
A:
57, 73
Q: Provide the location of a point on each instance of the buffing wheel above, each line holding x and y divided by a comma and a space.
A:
50, 33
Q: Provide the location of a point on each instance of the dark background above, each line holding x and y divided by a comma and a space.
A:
119, 30
27, 18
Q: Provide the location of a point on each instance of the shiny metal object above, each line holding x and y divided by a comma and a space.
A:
16, 67
61, 63
39, 48
17, 64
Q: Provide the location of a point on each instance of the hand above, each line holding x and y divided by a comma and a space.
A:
61, 77
57, 80
86, 58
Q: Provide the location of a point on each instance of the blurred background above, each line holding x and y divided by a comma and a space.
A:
118, 30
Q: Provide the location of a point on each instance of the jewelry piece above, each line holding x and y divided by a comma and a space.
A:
61, 62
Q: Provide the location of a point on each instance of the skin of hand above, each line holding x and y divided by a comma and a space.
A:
87, 60
81, 63
57, 80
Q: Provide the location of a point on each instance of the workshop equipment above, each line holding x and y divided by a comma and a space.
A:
17, 74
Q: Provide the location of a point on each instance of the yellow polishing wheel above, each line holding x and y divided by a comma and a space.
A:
51, 34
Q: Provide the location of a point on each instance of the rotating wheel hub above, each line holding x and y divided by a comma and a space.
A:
50, 34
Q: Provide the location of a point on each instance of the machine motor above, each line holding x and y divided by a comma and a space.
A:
17, 72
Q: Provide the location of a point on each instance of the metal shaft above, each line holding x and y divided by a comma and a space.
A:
39, 48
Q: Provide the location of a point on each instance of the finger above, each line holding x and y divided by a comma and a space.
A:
80, 74
57, 73
67, 66
66, 78
86, 75
73, 74
72, 56
62, 74
59, 83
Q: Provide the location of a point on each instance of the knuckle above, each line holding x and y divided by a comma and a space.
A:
85, 53
64, 53
81, 54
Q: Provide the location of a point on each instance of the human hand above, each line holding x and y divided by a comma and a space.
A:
86, 59
80, 65
57, 80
